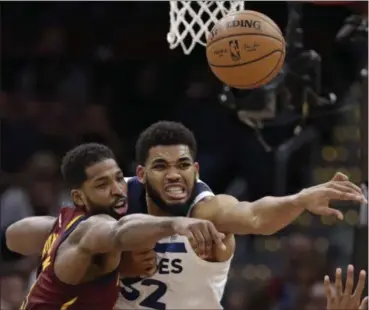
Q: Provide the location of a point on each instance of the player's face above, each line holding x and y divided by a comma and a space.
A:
105, 190
170, 172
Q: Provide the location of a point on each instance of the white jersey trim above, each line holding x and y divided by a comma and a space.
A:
198, 198
127, 179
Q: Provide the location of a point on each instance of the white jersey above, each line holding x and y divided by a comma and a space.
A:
183, 280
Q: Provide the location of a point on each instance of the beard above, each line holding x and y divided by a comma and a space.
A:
175, 209
95, 209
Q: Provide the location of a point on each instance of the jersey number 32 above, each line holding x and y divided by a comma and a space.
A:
151, 301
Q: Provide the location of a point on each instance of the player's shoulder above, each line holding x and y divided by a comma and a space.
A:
88, 226
95, 220
221, 201
202, 192
72, 219
202, 188
136, 195
131, 180
134, 186
101, 218
224, 200
67, 214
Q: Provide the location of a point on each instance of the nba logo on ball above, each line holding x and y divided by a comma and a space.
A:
234, 49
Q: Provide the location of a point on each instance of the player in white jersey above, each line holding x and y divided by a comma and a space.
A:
173, 256
190, 276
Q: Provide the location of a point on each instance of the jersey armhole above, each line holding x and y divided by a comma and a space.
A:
71, 226
199, 198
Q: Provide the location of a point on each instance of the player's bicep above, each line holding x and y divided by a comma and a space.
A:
95, 235
28, 236
237, 217
229, 215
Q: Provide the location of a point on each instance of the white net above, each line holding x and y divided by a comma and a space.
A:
190, 21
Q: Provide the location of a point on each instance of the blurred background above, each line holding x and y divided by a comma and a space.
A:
74, 72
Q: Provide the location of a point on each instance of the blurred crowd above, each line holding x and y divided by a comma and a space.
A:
80, 72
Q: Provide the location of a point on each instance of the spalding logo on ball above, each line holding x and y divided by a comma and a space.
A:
245, 49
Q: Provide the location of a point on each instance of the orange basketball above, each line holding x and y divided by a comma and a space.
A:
245, 49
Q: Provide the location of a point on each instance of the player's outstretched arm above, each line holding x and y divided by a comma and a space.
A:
28, 236
271, 214
102, 234
344, 297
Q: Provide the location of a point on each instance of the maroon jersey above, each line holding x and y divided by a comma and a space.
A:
50, 293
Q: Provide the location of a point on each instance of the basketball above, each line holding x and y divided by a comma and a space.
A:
245, 49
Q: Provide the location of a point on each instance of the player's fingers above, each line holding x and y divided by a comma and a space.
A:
349, 281
353, 186
333, 194
330, 212
349, 187
150, 256
199, 237
338, 282
208, 242
151, 263
364, 304
328, 289
149, 271
217, 237
339, 176
191, 239
360, 285
145, 262
346, 186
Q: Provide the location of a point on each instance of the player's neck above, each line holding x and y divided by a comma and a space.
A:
153, 209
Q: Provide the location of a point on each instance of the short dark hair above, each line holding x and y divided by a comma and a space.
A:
164, 133
76, 161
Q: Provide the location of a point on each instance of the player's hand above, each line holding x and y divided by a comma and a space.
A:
202, 235
316, 199
343, 298
138, 264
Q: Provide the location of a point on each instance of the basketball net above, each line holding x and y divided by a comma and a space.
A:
190, 21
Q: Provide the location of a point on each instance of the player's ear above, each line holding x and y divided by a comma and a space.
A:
141, 174
197, 170
77, 197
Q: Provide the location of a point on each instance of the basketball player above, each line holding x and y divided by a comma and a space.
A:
81, 249
166, 185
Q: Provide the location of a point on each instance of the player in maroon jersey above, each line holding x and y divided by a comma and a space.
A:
81, 248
